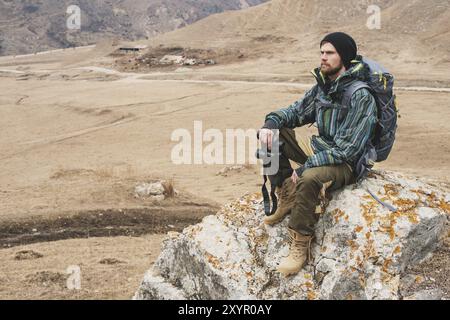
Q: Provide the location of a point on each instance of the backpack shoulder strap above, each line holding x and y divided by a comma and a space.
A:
351, 89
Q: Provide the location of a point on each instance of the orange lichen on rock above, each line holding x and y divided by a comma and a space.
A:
391, 189
433, 201
358, 229
262, 239
368, 212
362, 280
407, 208
386, 277
193, 231
405, 204
337, 213
311, 295
386, 264
445, 206
418, 279
353, 245
309, 285
419, 192
359, 261
389, 229
397, 250
213, 260
369, 250
412, 217
393, 216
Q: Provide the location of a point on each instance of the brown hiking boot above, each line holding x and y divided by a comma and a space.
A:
299, 252
286, 199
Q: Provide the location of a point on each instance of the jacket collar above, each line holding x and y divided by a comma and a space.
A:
357, 71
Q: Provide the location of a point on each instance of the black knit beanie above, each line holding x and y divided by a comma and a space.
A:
345, 46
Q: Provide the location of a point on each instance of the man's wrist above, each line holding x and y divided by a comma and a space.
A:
270, 124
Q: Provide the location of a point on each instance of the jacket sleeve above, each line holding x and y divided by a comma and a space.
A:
297, 114
353, 134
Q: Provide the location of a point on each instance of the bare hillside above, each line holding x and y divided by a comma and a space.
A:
414, 35
30, 26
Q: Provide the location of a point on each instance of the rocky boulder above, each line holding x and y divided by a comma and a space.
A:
360, 250
157, 190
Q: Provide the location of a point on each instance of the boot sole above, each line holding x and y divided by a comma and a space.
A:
289, 273
270, 223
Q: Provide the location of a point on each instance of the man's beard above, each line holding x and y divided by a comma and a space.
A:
332, 72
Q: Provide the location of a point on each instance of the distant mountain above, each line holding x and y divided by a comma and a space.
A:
28, 26
410, 31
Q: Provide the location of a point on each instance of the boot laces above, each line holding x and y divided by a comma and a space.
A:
296, 247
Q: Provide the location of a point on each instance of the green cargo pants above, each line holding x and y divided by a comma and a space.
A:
303, 214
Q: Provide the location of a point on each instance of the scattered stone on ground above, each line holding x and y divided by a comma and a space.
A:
158, 190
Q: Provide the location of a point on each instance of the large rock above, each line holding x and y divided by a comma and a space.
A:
361, 247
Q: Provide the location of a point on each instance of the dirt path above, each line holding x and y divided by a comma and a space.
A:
135, 77
130, 77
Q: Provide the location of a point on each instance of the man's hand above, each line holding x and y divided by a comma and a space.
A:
294, 177
266, 136
297, 173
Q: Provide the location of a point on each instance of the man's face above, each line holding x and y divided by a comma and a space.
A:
331, 62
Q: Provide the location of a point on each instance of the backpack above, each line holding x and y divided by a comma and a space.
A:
380, 83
